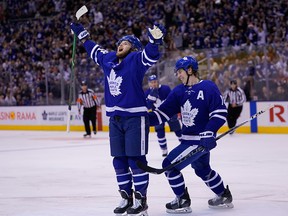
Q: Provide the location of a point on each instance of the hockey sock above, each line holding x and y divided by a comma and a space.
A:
123, 174
140, 177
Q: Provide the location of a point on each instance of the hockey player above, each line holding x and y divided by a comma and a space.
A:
203, 112
124, 71
235, 97
155, 95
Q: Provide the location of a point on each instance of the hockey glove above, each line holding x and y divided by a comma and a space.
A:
207, 140
156, 34
154, 94
79, 30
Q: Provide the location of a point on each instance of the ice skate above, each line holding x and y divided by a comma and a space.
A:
140, 206
125, 203
87, 135
164, 152
222, 201
180, 204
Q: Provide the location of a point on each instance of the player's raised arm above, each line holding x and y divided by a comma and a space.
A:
150, 53
90, 46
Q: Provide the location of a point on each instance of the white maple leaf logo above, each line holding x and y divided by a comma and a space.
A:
188, 114
114, 83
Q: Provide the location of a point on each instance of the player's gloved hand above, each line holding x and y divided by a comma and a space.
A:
154, 94
207, 140
156, 34
79, 30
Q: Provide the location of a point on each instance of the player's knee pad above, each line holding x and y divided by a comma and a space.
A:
121, 165
165, 163
174, 176
160, 127
133, 165
160, 134
203, 172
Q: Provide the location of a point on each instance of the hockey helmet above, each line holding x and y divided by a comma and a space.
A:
152, 77
185, 63
136, 44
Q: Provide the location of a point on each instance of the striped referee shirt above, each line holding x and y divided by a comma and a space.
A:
88, 99
235, 97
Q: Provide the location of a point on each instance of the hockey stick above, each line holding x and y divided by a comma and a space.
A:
71, 84
79, 13
153, 170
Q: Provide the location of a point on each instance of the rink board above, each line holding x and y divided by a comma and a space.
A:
54, 118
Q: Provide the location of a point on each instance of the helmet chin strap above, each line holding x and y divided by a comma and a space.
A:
187, 78
189, 75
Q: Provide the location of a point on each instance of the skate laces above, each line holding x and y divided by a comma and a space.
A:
175, 201
216, 198
123, 203
137, 203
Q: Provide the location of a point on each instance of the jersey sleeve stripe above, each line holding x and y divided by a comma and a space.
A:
158, 117
145, 58
94, 53
149, 59
218, 116
217, 111
163, 114
142, 60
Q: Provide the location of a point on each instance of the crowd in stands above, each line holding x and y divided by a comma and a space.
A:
36, 42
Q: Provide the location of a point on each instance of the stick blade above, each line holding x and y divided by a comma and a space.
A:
81, 12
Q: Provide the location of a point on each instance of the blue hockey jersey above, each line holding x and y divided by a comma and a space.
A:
162, 93
124, 95
201, 106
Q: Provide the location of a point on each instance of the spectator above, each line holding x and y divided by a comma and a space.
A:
2, 100
234, 22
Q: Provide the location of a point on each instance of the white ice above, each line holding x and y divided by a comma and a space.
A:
63, 174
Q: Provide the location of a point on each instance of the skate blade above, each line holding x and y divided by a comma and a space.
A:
223, 206
179, 211
144, 213
123, 214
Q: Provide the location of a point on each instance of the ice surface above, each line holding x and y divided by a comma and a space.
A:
63, 174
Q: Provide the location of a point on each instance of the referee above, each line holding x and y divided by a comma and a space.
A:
235, 97
89, 100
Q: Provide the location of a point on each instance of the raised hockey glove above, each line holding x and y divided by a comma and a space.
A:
154, 94
156, 34
79, 30
207, 140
